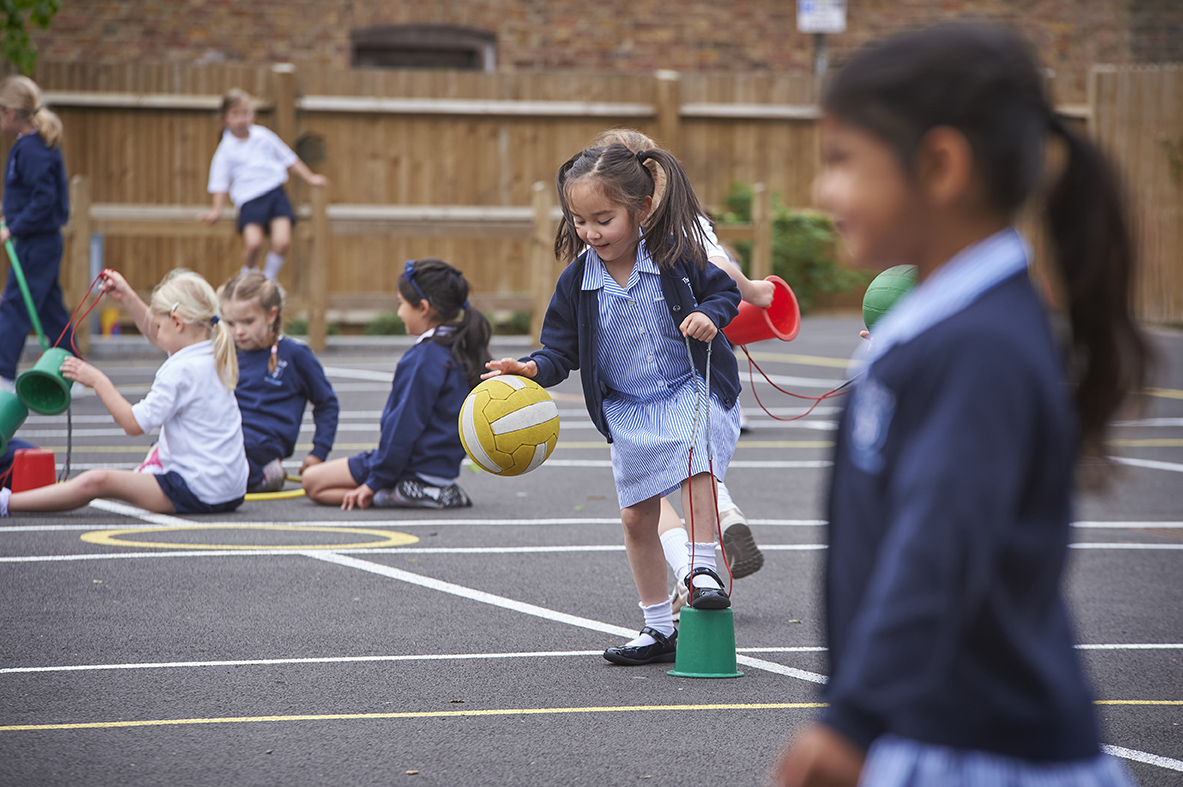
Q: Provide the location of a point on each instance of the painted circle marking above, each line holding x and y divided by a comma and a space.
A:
113, 538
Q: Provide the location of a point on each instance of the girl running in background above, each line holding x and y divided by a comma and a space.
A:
739, 547
36, 205
951, 648
629, 313
419, 451
277, 377
251, 165
198, 466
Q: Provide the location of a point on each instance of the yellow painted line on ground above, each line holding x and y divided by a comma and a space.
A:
100, 725
112, 537
444, 714
1163, 393
804, 360
741, 444
1165, 442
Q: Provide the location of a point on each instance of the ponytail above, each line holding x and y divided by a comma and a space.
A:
23, 95
1095, 255
672, 230
225, 355
462, 328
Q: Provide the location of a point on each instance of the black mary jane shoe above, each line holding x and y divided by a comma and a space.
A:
707, 598
663, 650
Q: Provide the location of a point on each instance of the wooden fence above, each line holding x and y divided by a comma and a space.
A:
409, 153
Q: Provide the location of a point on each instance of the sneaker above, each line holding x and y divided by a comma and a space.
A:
274, 476
744, 425
7, 385
680, 599
744, 558
413, 493
5, 493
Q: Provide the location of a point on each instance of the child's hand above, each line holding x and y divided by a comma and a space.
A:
114, 285
360, 498
309, 461
80, 371
510, 366
317, 180
819, 757
4, 233
209, 216
698, 326
760, 293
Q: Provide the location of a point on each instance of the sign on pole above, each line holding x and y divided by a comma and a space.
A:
821, 16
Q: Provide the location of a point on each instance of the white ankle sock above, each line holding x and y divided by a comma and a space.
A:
725, 501
703, 556
6, 493
271, 265
659, 617
675, 544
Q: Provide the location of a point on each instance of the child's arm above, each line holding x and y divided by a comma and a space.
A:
417, 382
114, 285
325, 407
820, 755
307, 175
43, 178
212, 215
80, 371
757, 293
560, 338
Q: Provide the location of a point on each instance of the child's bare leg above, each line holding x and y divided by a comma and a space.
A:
328, 482
139, 489
281, 239
643, 546
252, 241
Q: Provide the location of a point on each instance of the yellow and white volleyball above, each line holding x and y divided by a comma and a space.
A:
509, 425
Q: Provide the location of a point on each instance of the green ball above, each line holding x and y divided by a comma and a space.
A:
887, 288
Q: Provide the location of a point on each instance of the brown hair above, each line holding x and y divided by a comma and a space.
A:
445, 289
23, 95
254, 286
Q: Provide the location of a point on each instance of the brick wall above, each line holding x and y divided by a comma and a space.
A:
687, 35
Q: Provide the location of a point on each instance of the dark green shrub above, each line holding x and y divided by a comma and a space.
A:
298, 326
804, 248
385, 324
517, 324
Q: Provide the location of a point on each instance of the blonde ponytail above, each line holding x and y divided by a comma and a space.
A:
23, 95
188, 296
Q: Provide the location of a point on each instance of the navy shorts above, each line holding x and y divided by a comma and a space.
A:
261, 210
179, 494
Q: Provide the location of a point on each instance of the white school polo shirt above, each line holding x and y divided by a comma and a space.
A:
200, 426
251, 167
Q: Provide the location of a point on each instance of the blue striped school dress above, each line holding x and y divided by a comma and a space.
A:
650, 408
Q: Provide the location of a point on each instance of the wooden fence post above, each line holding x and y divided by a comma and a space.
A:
79, 228
318, 265
285, 102
669, 109
762, 230
541, 257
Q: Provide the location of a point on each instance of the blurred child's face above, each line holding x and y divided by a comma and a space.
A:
238, 119
864, 187
418, 319
606, 226
249, 324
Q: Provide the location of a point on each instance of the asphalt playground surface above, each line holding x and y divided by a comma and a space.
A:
294, 644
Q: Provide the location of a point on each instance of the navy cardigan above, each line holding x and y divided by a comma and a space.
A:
572, 324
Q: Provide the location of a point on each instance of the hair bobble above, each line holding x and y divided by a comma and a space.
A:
641, 156
215, 320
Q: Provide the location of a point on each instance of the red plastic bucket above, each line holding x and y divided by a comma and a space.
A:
781, 320
32, 468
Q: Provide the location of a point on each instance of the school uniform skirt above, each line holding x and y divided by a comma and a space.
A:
903, 762
651, 440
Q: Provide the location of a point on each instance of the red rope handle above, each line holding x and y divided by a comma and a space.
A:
835, 392
85, 314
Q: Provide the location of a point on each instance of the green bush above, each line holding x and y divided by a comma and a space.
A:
517, 324
804, 248
298, 326
385, 324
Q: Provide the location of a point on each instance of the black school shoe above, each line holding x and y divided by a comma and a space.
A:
664, 650
707, 598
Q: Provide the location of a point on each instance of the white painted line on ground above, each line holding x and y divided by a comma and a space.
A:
1150, 422
360, 374
1141, 756
124, 509
1148, 524
1133, 646
752, 465
531, 609
1153, 464
1119, 545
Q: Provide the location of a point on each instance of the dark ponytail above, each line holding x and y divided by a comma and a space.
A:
462, 328
986, 83
672, 230
1094, 252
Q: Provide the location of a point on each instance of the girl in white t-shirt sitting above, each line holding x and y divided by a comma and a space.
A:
251, 165
198, 464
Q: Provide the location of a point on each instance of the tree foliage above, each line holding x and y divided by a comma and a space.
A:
17, 16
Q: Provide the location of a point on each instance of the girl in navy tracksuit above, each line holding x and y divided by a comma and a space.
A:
951, 648
277, 379
36, 205
419, 450
640, 314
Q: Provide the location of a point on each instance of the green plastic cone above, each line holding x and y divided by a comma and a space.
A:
706, 644
42, 388
12, 415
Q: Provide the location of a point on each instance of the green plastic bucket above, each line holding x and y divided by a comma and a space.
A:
706, 644
42, 388
12, 415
